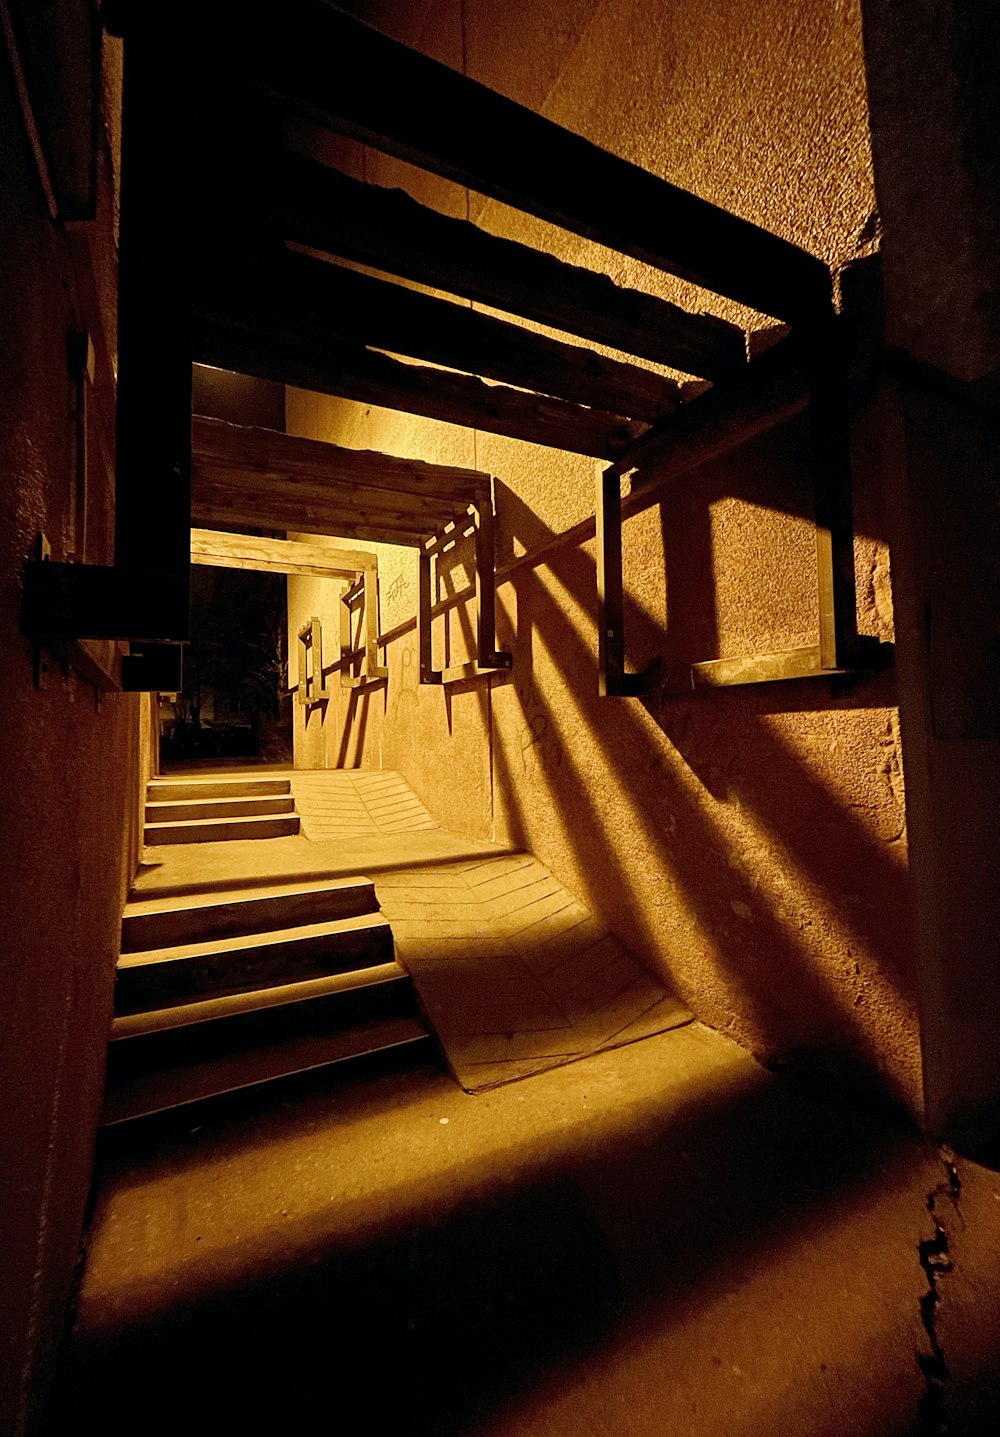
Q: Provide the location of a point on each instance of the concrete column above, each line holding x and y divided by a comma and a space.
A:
935, 116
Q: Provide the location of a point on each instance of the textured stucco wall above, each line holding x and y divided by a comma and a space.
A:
749, 844
70, 778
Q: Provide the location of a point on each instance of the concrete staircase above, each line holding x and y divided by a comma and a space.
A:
228, 991
211, 810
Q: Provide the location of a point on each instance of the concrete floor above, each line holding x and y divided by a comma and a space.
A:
660, 1239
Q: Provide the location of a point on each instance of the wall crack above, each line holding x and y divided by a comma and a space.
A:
936, 1261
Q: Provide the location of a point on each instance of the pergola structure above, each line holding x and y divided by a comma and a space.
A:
233, 251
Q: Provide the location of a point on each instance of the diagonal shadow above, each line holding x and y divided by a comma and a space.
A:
771, 970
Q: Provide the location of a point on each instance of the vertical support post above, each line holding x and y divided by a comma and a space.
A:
346, 638
428, 673
310, 688
373, 670
81, 365
829, 438
610, 604
153, 439
486, 609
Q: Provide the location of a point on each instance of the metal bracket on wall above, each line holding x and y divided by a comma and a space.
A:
489, 658
311, 689
840, 650
363, 595
99, 661
153, 668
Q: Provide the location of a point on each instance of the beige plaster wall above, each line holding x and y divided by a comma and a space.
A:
749, 844
70, 779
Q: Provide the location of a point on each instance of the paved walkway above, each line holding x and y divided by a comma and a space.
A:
659, 1239
515, 975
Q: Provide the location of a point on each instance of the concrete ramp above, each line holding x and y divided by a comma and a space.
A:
355, 803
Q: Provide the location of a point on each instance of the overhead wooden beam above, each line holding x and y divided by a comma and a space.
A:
336, 508
384, 315
424, 508
339, 72
774, 388
275, 556
153, 358
320, 207
333, 366
269, 452
262, 512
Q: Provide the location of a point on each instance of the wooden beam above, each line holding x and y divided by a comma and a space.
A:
302, 291
774, 388
266, 453
320, 207
339, 72
829, 435
258, 511
275, 556
153, 423
336, 509
93, 601
430, 509
332, 366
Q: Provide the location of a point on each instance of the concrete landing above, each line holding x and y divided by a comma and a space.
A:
514, 974
660, 1239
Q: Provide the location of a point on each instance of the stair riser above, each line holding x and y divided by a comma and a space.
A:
241, 1032
166, 791
218, 808
164, 1099
225, 830
184, 980
142, 932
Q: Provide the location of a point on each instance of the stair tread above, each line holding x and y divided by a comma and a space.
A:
218, 782
155, 804
144, 1094
139, 907
180, 952
252, 818
158, 1020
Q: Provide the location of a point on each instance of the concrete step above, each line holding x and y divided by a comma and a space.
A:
221, 830
170, 790
189, 972
144, 1094
181, 810
167, 1056
168, 922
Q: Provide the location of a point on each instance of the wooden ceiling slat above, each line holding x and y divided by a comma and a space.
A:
343, 74
338, 506
269, 512
296, 288
330, 365
424, 507
327, 210
274, 556
267, 451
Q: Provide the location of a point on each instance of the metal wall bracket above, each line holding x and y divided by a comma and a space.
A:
93, 601
489, 658
840, 649
311, 688
612, 680
363, 595
153, 668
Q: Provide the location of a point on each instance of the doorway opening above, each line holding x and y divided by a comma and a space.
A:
233, 706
